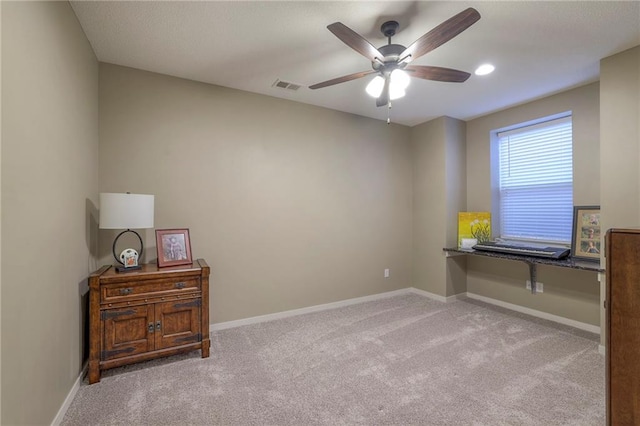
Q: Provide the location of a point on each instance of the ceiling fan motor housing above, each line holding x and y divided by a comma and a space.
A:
391, 54
390, 51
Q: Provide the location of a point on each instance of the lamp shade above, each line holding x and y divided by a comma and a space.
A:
399, 82
375, 86
126, 211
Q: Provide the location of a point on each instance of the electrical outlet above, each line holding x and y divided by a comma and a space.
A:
539, 286
387, 273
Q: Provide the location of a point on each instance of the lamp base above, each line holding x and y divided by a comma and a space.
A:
128, 256
129, 269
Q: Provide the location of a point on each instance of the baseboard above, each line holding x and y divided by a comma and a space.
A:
544, 315
72, 394
437, 297
295, 312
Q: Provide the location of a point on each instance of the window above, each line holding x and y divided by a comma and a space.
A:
536, 181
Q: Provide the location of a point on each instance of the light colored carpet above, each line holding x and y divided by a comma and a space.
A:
405, 360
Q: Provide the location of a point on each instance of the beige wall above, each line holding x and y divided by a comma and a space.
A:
456, 201
429, 206
439, 193
292, 205
49, 182
620, 148
620, 144
567, 293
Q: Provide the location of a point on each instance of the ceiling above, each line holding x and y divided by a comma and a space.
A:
538, 48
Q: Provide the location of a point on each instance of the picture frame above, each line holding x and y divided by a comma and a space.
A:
586, 236
174, 247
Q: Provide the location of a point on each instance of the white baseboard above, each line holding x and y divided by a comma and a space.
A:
544, 315
72, 394
333, 305
437, 297
307, 310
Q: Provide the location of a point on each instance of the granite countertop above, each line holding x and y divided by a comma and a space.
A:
563, 263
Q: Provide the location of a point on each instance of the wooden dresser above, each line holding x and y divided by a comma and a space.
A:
145, 314
623, 327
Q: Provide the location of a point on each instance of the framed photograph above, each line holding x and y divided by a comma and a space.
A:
586, 237
174, 247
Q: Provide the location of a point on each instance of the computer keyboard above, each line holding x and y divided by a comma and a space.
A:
550, 252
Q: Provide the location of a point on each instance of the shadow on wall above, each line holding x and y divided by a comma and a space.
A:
91, 233
91, 239
83, 296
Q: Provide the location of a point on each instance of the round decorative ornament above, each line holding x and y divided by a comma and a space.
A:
129, 257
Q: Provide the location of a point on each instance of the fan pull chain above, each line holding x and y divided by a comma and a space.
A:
389, 112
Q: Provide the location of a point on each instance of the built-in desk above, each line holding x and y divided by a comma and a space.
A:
531, 261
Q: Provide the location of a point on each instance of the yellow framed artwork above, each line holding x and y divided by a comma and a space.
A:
474, 225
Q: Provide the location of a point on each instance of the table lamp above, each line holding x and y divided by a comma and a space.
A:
126, 211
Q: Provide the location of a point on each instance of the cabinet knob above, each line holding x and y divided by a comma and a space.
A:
125, 291
150, 327
180, 285
158, 326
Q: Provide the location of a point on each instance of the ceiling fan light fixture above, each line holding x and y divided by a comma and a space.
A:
375, 86
389, 61
400, 79
484, 69
399, 82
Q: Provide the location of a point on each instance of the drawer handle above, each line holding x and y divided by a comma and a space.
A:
125, 291
150, 327
180, 285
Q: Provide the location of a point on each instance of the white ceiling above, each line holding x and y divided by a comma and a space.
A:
538, 48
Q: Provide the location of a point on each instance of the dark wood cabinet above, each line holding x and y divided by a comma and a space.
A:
148, 313
623, 327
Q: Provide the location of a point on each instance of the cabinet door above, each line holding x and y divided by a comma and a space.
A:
177, 323
623, 350
127, 331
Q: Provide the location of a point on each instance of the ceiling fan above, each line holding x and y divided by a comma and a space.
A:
391, 62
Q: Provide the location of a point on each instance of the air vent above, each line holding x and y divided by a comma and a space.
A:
286, 85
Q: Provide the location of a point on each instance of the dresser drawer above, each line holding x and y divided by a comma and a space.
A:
148, 288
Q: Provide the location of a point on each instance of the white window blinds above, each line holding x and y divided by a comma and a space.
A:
536, 181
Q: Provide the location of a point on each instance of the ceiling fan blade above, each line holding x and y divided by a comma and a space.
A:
437, 73
383, 99
342, 79
355, 41
442, 33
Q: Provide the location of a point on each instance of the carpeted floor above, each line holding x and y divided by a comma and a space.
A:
405, 360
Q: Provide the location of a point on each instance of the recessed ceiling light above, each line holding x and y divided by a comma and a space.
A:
485, 69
